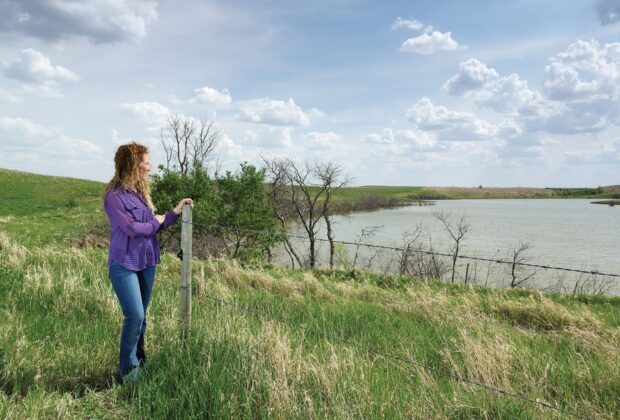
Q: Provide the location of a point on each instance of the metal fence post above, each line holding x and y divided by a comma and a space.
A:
186, 271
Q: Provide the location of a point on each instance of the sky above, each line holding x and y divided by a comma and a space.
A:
436, 93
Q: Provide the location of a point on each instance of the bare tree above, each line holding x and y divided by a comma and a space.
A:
304, 192
366, 232
331, 180
411, 247
188, 143
279, 194
519, 274
592, 284
305, 199
418, 262
457, 231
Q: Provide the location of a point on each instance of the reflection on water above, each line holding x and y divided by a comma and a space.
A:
565, 233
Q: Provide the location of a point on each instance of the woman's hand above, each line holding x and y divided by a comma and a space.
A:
178, 209
160, 218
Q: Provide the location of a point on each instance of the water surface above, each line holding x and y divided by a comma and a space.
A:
568, 233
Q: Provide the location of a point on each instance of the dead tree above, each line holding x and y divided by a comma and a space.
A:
330, 176
279, 194
366, 232
411, 247
188, 143
519, 274
457, 231
305, 200
304, 192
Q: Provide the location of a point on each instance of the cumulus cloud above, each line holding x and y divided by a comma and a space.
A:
100, 21
37, 73
407, 23
273, 112
580, 91
211, 96
608, 11
324, 140
409, 138
430, 43
153, 114
584, 71
607, 154
507, 94
472, 75
449, 125
34, 67
23, 141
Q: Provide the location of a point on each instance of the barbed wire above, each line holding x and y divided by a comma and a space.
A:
391, 302
393, 358
492, 321
419, 251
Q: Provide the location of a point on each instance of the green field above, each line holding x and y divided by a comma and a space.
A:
273, 342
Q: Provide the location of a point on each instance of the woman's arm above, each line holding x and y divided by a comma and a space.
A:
117, 214
172, 216
167, 219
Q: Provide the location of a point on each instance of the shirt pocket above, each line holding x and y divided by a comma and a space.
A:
137, 212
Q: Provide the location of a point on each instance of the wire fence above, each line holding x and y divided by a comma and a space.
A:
388, 356
396, 359
425, 252
471, 318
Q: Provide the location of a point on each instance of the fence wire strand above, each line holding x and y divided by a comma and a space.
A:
435, 253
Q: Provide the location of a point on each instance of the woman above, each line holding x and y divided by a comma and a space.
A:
134, 250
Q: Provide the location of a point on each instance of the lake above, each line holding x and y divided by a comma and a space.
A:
569, 233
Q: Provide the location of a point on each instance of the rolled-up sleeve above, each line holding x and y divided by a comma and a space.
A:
124, 220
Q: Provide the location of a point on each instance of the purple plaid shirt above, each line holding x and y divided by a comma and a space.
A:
133, 243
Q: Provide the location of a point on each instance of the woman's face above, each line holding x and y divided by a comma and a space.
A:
145, 166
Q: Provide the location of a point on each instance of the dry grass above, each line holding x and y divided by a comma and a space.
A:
59, 332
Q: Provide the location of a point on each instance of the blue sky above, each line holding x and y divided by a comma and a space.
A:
519, 93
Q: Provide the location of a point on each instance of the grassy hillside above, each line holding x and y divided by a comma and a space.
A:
273, 342
25, 194
44, 209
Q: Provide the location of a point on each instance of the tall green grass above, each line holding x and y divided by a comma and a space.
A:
296, 344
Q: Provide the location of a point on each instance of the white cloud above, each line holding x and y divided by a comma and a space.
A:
7, 96
584, 71
407, 23
37, 73
100, 21
211, 96
419, 139
228, 149
472, 75
607, 154
385, 137
153, 114
574, 106
323, 140
429, 43
273, 112
608, 11
25, 142
508, 94
407, 138
34, 67
449, 125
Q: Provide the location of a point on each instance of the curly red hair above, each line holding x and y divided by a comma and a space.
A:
127, 171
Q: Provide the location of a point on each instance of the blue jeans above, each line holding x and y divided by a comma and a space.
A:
133, 289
